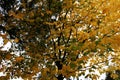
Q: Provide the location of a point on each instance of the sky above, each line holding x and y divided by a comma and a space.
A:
6, 47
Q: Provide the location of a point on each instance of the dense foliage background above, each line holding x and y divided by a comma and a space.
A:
56, 39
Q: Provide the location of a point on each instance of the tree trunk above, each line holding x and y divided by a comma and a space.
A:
59, 66
108, 77
60, 77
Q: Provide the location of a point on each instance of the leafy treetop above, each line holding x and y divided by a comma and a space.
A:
61, 37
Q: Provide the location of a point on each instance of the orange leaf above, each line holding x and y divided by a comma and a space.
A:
18, 59
19, 16
16, 40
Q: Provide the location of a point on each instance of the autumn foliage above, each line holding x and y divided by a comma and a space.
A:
57, 39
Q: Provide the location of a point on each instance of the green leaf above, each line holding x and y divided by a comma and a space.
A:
73, 65
97, 42
86, 53
79, 67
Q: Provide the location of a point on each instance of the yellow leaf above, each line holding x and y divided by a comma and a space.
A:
6, 41
114, 75
48, 12
31, 20
42, 14
31, 14
16, 40
11, 13
19, 16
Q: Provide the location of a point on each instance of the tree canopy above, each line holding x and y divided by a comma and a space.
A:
57, 39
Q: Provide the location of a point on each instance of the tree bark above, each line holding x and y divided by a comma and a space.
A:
108, 77
60, 77
59, 66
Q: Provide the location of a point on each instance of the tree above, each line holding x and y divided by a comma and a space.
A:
59, 38
110, 75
